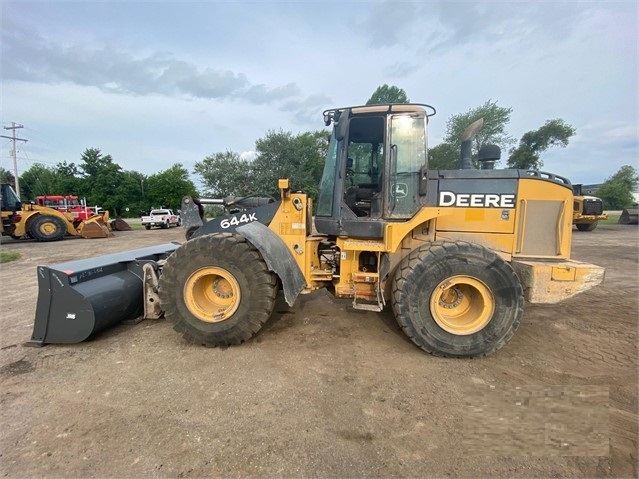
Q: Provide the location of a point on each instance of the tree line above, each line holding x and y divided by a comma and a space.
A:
299, 157
103, 182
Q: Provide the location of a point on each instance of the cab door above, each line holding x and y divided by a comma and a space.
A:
405, 159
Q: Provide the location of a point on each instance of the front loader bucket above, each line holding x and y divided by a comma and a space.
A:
94, 227
80, 298
119, 224
629, 217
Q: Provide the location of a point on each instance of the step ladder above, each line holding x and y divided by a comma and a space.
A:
368, 306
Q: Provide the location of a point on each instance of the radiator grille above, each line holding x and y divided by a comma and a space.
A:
593, 207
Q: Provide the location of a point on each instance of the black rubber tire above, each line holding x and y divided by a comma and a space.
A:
148, 227
237, 257
421, 272
165, 226
56, 224
586, 226
190, 232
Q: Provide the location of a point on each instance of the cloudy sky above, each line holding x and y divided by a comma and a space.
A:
159, 82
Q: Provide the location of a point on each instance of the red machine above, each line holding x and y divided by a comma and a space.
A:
69, 204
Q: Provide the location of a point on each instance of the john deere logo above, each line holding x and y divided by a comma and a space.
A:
476, 200
400, 190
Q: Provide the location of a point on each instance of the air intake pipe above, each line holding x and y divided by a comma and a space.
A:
487, 156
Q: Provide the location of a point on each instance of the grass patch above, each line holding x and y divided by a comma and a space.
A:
6, 256
612, 219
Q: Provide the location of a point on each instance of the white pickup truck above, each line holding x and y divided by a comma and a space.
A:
162, 218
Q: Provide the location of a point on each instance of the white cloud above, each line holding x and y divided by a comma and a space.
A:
155, 86
248, 155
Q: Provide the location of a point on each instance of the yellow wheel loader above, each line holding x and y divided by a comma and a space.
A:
454, 253
43, 223
587, 210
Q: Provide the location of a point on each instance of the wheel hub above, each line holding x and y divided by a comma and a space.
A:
48, 228
212, 294
221, 288
451, 298
462, 305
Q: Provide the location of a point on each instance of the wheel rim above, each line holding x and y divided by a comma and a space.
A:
462, 305
48, 228
212, 294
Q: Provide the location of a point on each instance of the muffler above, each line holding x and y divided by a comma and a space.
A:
78, 299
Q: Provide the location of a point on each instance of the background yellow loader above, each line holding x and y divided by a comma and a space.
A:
20, 220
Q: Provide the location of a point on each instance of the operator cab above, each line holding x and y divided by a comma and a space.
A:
376, 159
9, 201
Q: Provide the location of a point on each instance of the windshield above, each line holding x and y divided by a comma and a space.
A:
10, 201
325, 198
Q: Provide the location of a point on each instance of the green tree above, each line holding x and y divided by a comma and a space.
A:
136, 199
388, 94
63, 179
7, 177
443, 157
104, 181
492, 132
527, 155
299, 158
616, 192
37, 180
167, 187
225, 174
67, 180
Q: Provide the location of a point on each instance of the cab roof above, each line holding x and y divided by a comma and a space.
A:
334, 113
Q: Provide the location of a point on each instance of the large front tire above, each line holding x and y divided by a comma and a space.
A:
47, 228
217, 290
587, 226
457, 299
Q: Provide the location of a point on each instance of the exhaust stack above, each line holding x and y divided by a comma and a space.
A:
465, 162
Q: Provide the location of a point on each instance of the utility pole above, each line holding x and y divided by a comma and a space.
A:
14, 126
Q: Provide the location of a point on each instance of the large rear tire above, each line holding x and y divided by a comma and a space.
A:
47, 228
217, 290
457, 299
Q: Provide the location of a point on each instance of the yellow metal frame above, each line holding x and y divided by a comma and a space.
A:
500, 229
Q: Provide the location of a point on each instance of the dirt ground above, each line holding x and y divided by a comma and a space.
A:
323, 391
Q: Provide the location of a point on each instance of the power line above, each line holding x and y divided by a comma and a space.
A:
14, 126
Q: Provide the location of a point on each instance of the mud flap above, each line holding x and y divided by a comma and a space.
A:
80, 298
